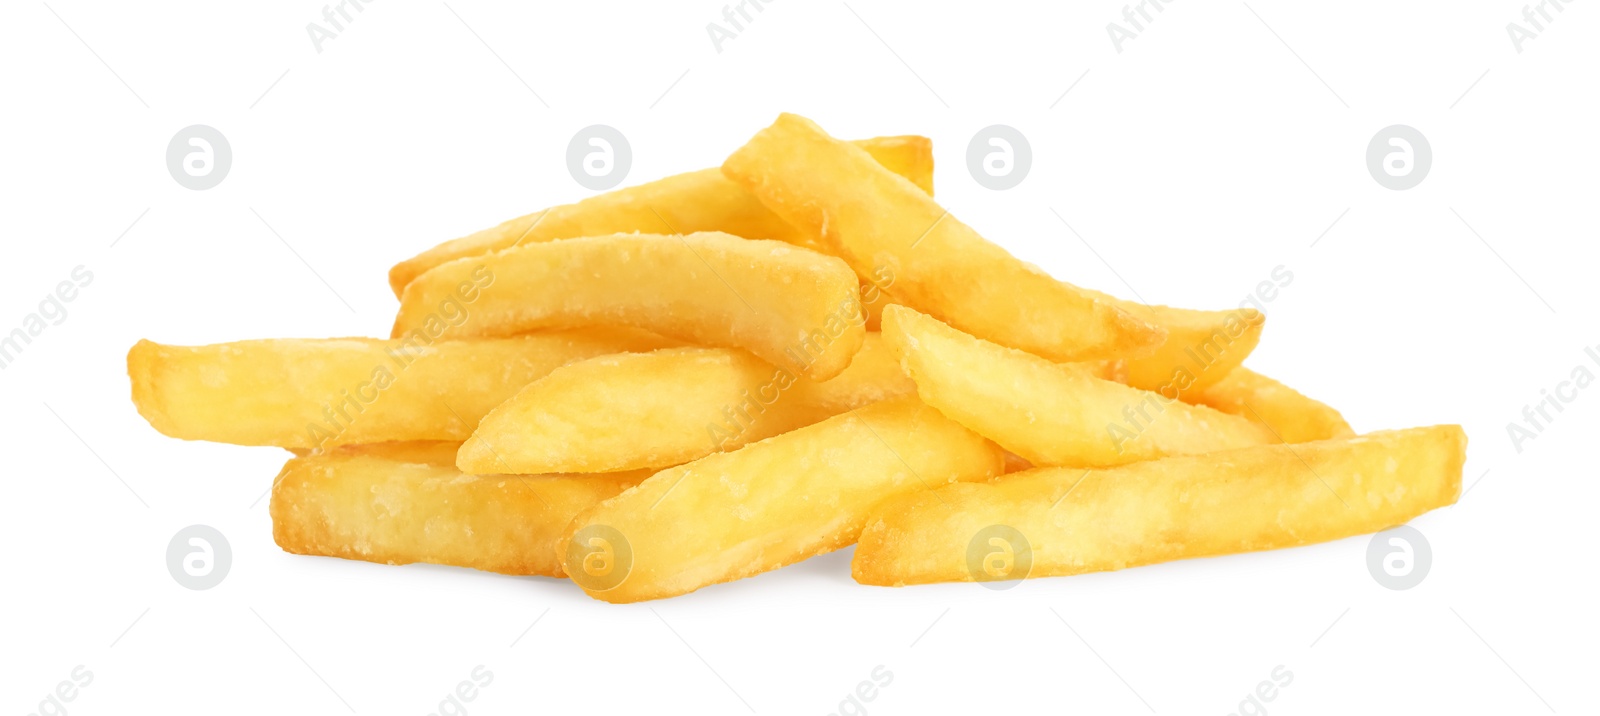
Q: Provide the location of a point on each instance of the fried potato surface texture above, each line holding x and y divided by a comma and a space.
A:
882, 224
1062, 521
789, 306
668, 407
1202, 347
398, 503
1284, 410
314, 393
696, 201
769, 504
1052, 414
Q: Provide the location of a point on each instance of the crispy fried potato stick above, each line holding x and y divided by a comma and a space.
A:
398, 503
1060, 521
1294, 417
323, 392
1049, 413
790, 307
696, 201
1202, 347
428, 452
873, 376
638, 410
769, 504
876, 220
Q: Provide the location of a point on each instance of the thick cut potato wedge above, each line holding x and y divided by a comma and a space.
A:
638, 410
1048, 413
324, 392
1294, 417
769, 504
399, 503
696, 201
876, 220
1202, 347
789, 306
1061, 521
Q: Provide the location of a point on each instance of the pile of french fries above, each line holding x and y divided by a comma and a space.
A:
724, 372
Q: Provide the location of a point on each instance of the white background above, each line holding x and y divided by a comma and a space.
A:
1193, 162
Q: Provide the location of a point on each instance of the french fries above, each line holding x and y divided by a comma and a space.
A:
324, 392
876, 220
696, 201
768, 504
404, 502
1063, 521
683, 383
1047, 413
790, 307
1202, 347
678, 404
874, 375
1292, 416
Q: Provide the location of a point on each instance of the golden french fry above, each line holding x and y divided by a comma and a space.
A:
1049, 413
877, 221
769, 504
789, 306
1062, 521
635, 411
638, 410
399, 503
684, 203
1294, 417
427, 452
874, 375
322, 392
1202, 347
